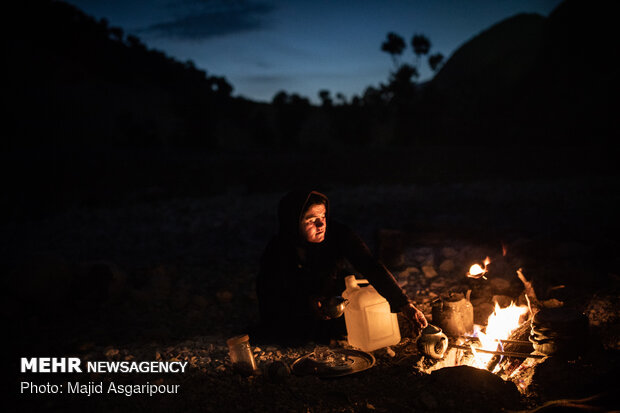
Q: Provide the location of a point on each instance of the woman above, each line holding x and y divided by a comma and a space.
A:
305, 264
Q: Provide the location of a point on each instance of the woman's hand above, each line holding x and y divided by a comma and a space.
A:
415, 317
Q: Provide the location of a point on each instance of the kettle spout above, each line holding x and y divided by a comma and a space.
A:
334, 306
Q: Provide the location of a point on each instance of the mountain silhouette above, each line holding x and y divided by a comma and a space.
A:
530, 79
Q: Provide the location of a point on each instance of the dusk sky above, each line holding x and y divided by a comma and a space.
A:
302, 46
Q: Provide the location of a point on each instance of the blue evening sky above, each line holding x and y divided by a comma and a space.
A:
302, 46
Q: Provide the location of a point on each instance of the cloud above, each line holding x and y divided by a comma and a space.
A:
204, 19
267, 79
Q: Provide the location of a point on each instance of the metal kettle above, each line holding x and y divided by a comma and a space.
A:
433, 342
454, 314
332, 307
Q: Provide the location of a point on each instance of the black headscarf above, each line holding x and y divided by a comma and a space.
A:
291, 210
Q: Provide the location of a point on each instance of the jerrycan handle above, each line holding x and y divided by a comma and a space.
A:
353, 283
350, 282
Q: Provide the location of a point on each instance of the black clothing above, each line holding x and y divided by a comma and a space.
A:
294, 273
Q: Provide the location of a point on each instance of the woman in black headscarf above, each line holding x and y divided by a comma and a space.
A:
306, 262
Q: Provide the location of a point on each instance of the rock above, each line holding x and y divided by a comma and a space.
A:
449, 252
429, 271
408, 272
482, 312
86, 346
277, 371
436, 285
427, 260
600, 311
552, 303
475, 387
224, 296
446, 266
499, 285
415, 276
112, 353
424, 255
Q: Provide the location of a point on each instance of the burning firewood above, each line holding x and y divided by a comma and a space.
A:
518, 343
530, 294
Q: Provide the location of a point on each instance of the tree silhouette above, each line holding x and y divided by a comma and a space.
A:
116, 33
341, 98
326, 99
134, 42
280, 98
291, 112
220, 86
421, 46
402, 84
405, 74
435, 61
394, 45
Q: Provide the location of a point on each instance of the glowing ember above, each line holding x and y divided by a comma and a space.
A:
500, 325
476, 270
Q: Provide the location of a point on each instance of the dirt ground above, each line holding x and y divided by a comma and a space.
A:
171, 278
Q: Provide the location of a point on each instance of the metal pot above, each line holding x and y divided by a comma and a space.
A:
333, 307
433, 342
454, 314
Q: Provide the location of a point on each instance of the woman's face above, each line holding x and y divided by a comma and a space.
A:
314, 223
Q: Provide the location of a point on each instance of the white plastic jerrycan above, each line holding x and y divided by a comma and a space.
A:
370, 324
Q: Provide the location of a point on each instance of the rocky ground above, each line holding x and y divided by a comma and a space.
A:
172, 279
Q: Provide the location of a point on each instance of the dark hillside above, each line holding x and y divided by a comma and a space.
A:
477, 85
494, 61
577, 81
533, 80
74, 80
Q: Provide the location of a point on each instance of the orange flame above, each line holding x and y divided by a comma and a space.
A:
500, 325
476, 271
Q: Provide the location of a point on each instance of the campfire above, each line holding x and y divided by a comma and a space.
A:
500, 325
501, 345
